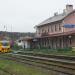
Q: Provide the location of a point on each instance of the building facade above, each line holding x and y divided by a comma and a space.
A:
57, 31
24, 42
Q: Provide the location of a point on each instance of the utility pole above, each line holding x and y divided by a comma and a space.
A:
11, 27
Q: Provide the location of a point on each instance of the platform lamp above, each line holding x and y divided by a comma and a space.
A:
70, 39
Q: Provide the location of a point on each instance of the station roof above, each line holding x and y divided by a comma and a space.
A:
53, 19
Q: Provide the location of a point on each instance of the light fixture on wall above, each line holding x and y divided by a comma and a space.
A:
69, 36
70, 39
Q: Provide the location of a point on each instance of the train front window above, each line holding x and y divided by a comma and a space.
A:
5, 44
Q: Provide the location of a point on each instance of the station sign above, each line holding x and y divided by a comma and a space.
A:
69, 25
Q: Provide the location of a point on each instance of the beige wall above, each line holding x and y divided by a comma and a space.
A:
49, 28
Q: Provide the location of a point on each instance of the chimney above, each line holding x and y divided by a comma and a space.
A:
69, 8
56, 14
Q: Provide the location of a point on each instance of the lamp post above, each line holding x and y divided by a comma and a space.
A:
11, 27
70, 39
5, 32
24, 44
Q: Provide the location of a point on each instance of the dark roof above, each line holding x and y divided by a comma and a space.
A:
53, 19
56, 18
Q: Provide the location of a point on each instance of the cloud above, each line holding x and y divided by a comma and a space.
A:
25, 14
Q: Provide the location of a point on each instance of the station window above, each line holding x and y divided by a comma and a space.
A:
55, 28
48, 29
42, 30
59, 27
51, 28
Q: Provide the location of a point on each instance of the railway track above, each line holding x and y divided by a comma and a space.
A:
49, 55
66, 67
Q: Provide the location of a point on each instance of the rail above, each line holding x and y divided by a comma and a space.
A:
62, 66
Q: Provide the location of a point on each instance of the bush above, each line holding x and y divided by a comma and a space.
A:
16, 47
64, 49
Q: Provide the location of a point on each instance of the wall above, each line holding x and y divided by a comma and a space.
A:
69, 20
52, 28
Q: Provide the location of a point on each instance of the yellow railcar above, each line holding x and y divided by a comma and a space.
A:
4, 46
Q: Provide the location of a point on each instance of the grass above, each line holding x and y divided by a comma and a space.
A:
52, 52
21, 69
3, 73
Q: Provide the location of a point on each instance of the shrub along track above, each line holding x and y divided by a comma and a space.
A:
59, 65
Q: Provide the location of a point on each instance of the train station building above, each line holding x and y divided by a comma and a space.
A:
57, 31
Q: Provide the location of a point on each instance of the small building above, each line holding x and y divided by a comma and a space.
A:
57, 31
25, 42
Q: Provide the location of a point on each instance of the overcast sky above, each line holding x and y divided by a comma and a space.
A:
23, 15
